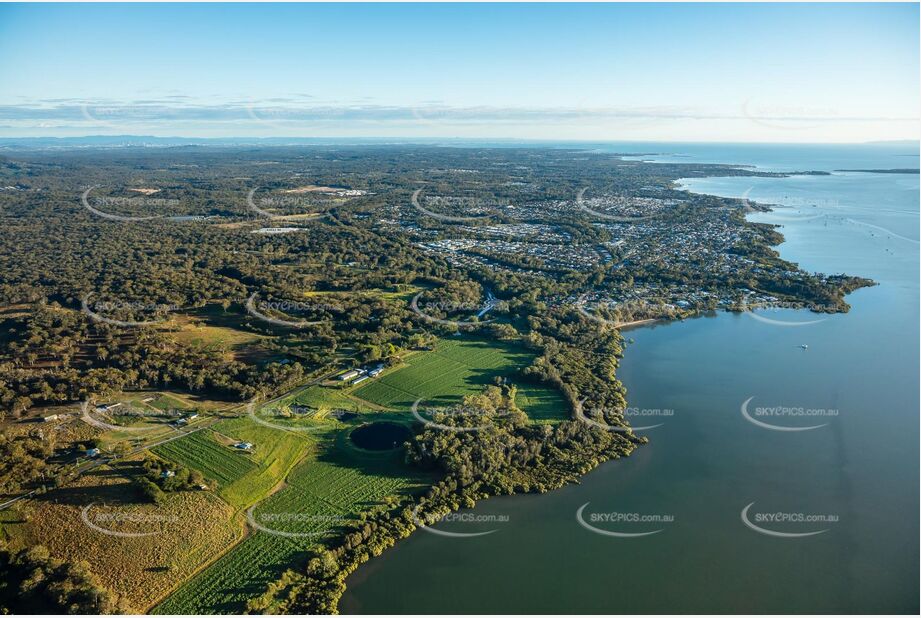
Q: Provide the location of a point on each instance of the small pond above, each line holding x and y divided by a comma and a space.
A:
382, 436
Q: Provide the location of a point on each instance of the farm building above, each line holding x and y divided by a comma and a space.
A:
106, 407
92, 452
244, 446
348, 375
360, 380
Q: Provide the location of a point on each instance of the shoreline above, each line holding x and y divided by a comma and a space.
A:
359, 573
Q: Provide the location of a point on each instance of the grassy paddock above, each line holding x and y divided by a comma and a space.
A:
459, 367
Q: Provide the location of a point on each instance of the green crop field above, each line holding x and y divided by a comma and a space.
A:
320, 397
320, 494
458, 367
455, 368
275, 452
245, 478
200, 451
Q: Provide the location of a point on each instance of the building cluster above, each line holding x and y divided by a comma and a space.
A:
359, 375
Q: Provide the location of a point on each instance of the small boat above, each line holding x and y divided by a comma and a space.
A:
804, 346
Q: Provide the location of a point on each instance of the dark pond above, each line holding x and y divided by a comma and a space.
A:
381, 436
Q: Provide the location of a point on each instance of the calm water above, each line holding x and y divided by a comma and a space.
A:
705, 463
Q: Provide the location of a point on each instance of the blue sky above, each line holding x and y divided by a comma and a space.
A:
717, 72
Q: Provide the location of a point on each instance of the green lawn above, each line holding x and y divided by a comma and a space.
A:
541, 403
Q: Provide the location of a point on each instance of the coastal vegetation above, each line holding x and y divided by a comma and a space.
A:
195, 384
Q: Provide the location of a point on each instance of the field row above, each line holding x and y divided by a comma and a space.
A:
320, 496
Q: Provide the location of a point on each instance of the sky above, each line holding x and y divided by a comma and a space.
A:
658, 72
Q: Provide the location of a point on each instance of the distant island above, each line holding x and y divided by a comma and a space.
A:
900, 170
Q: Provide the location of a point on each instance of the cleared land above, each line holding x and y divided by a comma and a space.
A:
190, 529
